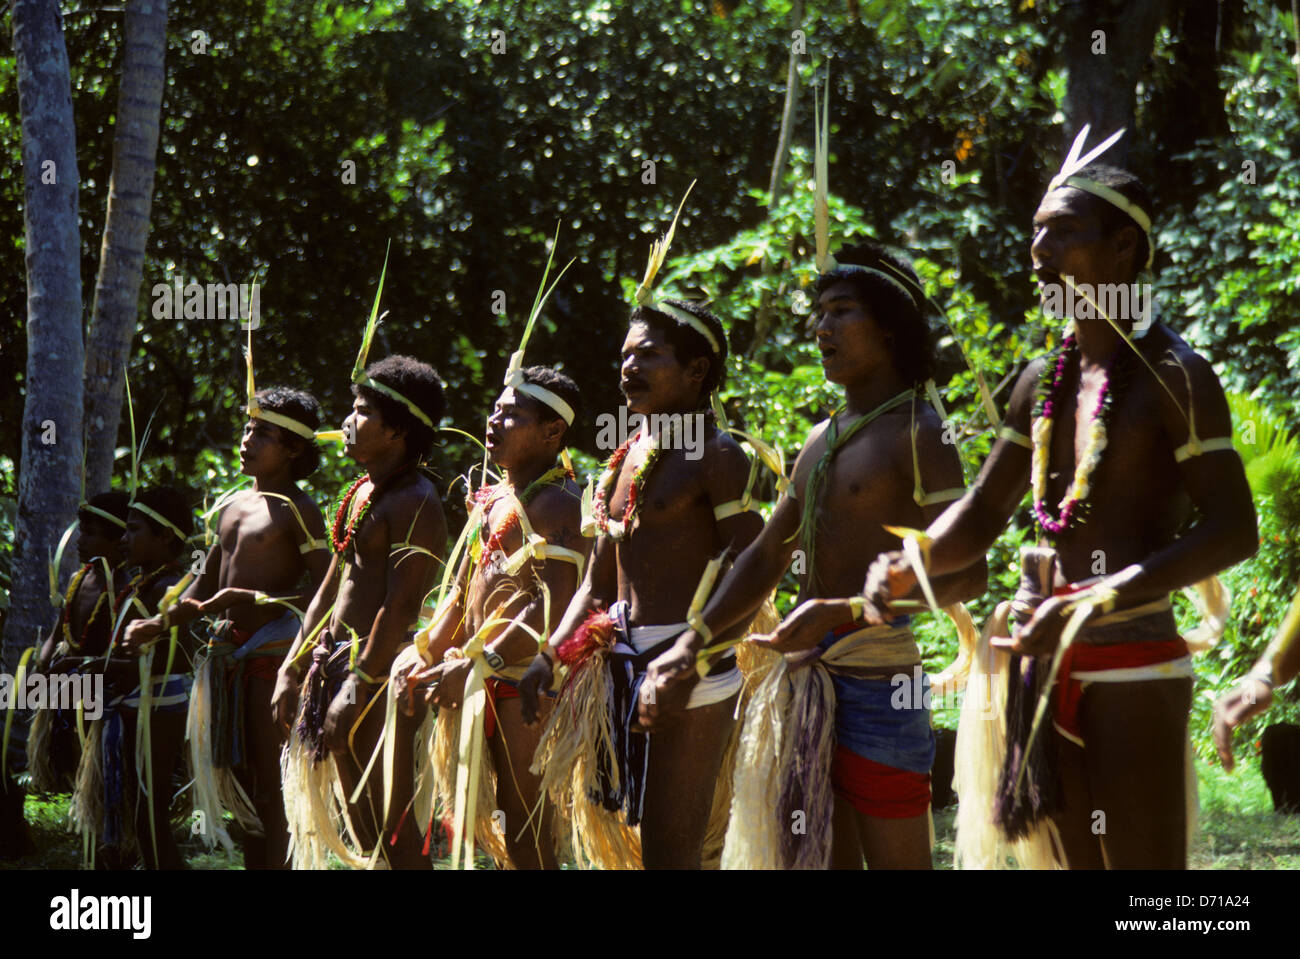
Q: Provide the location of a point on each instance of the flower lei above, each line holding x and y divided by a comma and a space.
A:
618, 529
487, 497
66, 619
1074, 505
341, 510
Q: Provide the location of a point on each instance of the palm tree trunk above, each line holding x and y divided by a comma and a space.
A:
49, 483
126, 229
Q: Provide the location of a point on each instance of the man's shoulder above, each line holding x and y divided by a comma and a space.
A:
556, 505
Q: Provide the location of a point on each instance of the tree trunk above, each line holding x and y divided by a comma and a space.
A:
126, 229
49, 485
1101, 86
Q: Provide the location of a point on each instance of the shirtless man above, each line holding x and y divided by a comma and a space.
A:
525, 435
874, 343
157, 527
82, 631
647, 576
388, 535
1119, 744
269, 539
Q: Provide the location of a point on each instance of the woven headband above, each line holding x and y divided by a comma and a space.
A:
694, 322
832, 266
645, 292
102, 514
1065, 177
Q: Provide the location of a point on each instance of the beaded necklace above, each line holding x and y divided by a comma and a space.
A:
617, 529
342, 508
1074, 506
487, 498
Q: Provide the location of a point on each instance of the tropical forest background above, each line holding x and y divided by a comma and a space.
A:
298, 138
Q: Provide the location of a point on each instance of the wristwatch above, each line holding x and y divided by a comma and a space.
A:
493, 659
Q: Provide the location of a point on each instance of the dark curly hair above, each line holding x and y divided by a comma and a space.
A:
416, 381
304, 408
1112, 218
562, 386
114, 502
169, 502
687, 342
899, 314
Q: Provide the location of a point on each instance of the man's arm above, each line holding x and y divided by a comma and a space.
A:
962, 533
409, 574
940, 468
1225, 532
599, 588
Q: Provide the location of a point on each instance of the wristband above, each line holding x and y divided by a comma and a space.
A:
1264, 673
857, 606
697, 623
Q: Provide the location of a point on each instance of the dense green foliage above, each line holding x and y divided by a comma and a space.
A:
466, 159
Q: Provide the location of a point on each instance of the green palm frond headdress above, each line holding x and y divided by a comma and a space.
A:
359, 376
645, 292
515, 371
825, 262
255, 411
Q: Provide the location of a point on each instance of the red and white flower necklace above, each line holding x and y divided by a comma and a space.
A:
1073, 507
617, 529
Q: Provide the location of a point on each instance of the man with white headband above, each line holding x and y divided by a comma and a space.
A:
524, 557
1123, 438
268, 560
660, 513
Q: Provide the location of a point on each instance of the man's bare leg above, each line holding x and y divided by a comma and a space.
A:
367, 811
846, 841
166, 734
408, 851
517, 789
1080, 846
896, 843
1135, 759
263, 739
685, 759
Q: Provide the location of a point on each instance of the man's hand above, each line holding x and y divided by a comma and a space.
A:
138, 632
408, 671
806, 626
1248, 698
537, 678
1042, 633
447, 682
220, 601
342, 713
889, 577
284, 701
667, 685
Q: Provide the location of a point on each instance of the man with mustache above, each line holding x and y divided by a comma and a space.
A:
1126, 448
662, 511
